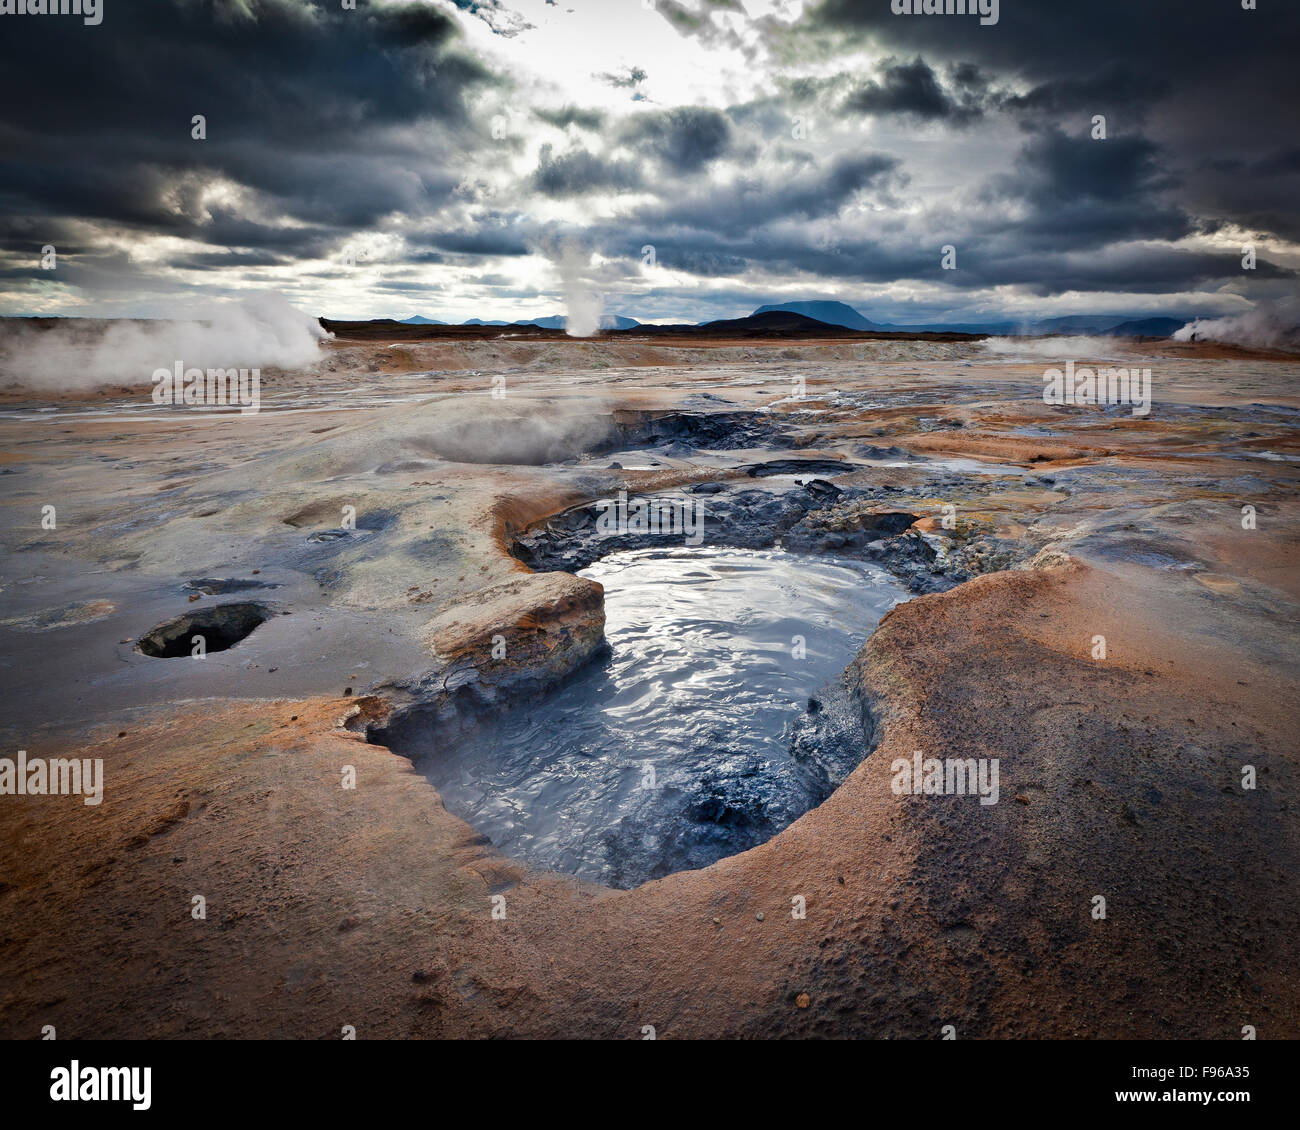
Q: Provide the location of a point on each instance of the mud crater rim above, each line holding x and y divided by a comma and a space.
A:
885, 540
725, 792
221, 626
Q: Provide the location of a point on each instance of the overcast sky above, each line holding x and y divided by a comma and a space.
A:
484, 157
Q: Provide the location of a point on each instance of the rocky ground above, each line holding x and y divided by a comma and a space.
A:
385, 516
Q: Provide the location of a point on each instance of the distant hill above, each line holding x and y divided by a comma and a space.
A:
552, 322
842, 314
769, 320
561, 322
776, 324
985, 329
1074, 324
1106, 325
831, 313
772, 323
1149, 327
421, 320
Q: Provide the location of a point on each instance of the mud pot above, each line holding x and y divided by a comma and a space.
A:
715, 718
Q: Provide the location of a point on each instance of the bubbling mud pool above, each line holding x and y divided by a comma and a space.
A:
715, 720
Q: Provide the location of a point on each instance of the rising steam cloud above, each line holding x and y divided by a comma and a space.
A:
1092, 347
1273, 325
255, 333
582, 300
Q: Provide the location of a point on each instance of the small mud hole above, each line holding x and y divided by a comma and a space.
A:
221, 626
716, 719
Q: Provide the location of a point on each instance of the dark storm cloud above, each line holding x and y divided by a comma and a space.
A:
962, 93
496, 234
397, 287
1082, 192
291, 70
914, 89
706, 262
826, 194
1117, 90
219, 259
304, 104
1181, 83
1126, 269
571, 116
1075, 215
1048, 40
985, 261
26, 235
1258, 194
749, 205
325, 123
686, 139
103, 270
1200, 57
1284, 162
579, 171
784, 250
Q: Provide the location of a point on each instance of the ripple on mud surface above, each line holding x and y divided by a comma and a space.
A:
703, 689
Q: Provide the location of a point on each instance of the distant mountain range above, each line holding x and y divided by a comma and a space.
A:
840, 314
550, 322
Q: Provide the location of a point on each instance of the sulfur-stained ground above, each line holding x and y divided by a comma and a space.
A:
371, 906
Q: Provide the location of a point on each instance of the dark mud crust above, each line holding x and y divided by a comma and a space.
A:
709, 431
802, 520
